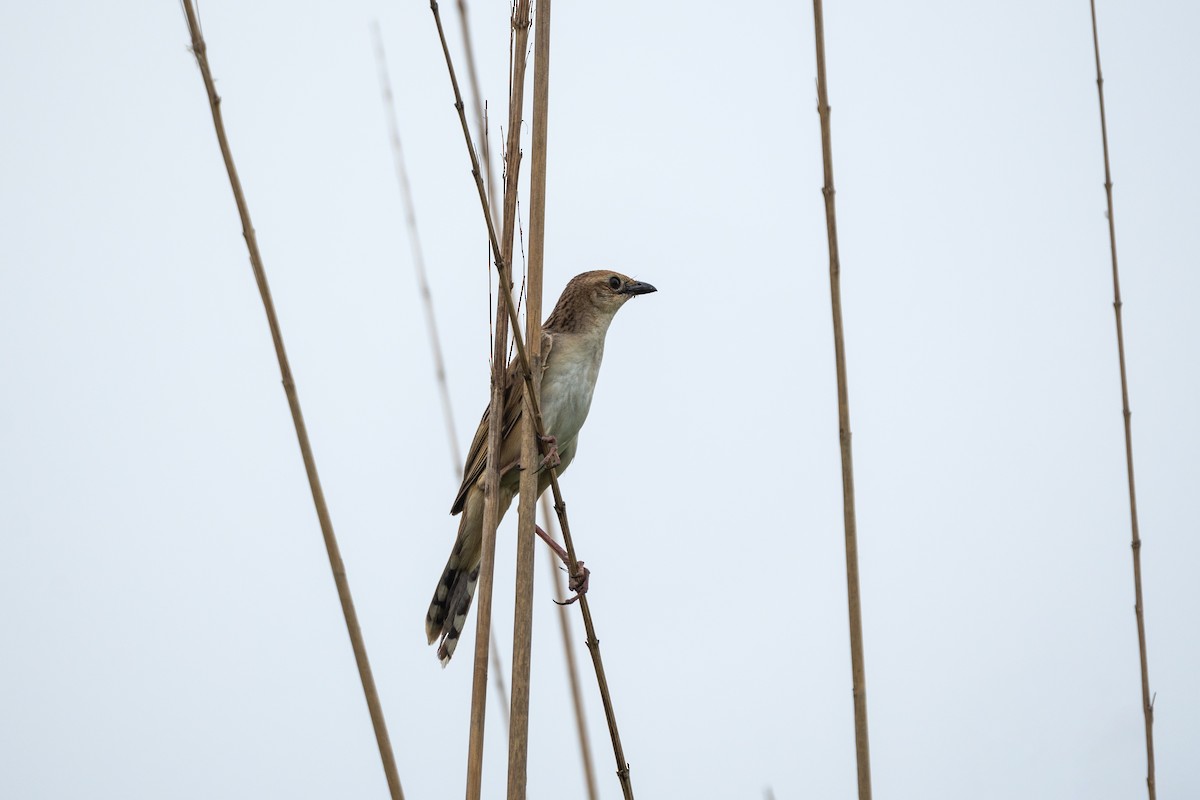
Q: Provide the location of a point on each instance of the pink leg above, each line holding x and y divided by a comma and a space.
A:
578, 581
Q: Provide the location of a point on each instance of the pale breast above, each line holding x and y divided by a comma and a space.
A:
568, 383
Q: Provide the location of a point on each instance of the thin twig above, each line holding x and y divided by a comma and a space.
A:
518, 740
527, 375
560, 590
491, 514
857, 668
418, 255
1138, 608
199, 49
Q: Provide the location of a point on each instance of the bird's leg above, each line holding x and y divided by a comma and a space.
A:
550, 452
551, 458
578, 581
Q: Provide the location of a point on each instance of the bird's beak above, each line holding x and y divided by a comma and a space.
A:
637, 287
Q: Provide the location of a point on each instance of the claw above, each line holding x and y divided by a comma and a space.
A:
578, 583
550, 459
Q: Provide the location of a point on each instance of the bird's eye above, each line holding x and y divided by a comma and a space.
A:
614, 282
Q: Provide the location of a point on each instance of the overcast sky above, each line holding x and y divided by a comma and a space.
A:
169, 625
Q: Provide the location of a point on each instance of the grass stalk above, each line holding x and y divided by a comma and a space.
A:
476, 94
560, 508
200, 50
518, 739
505, 315
418, 253
560, 590
857, 667
1136, 544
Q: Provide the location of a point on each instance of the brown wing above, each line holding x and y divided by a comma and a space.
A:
513, 407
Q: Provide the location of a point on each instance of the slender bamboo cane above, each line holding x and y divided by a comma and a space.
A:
200, 50
518, 740
527, 375
418, 255
857, 668
505, 315
1136, 545
560, 589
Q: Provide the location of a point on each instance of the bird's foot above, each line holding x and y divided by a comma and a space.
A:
579, 574
578, 582
550, 457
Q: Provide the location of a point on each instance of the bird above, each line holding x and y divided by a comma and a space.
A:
572, 349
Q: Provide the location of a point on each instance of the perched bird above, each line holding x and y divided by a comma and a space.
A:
572, 348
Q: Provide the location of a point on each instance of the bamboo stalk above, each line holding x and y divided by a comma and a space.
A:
1136, 544
560, 589
491, 515
200, 50
518, 740
857, 667
527, 375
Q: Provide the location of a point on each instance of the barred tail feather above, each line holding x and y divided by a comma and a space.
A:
452, 600
447, 614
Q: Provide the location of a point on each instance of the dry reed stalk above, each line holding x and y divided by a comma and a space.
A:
1136, 545
498, 678
593, 643
857, 668
476, 95
418, 254
527, 376
585, 747
518, 739
505, 315
200, 50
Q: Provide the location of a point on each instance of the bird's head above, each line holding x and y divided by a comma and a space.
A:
593, 298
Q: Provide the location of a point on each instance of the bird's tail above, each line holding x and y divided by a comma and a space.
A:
448, 611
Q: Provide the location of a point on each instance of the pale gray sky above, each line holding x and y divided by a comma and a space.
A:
169, 624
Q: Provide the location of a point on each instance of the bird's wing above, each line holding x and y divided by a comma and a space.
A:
513, 407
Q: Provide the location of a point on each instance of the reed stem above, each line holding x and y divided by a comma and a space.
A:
560, 590
857, 667
518, 739
505, 315
200, 50
1136, 545
435, 345
527, 375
